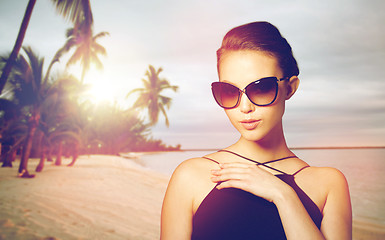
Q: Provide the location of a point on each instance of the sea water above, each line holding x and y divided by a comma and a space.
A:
363, 168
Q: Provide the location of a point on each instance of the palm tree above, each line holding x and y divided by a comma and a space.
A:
12, 127
29, 94
57, 116
150, 97
116, 129
19, 41
32, 94
87, 48
13, 135
77, 11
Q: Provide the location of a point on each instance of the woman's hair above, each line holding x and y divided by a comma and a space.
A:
261, 36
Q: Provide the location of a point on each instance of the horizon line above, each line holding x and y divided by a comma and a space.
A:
297, 148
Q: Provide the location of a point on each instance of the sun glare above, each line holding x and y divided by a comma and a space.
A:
107, 85
100, 88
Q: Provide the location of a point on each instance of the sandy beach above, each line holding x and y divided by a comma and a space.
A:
101, 197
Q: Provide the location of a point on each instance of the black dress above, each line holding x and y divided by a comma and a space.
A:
232, 213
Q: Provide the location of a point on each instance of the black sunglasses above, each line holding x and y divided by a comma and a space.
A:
261, 92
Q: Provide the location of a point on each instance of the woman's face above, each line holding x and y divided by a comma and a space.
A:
240, 68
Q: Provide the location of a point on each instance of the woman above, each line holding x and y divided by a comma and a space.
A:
256, 188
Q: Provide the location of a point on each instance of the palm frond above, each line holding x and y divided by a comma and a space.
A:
166, 101
64, 135
134, 91
143, 101
96, 61
164, 114
101, 34
9, 108
146, 84
36, 67
74, 58
75, 11
98, 49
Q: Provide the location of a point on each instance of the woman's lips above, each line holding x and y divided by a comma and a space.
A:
250, 124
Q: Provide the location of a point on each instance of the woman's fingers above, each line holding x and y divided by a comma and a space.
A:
226, 177
229, 171
248, 177
232, 171
232, 184
236, 165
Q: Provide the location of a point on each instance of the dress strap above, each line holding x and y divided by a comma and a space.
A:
211, 159
236, 154
300, 170
259, 163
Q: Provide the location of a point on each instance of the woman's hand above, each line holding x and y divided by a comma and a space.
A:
250, 178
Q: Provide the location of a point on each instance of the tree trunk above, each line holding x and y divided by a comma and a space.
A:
12, 155
2, 152
37, 144
6, 151
19, 41
59, 154
75, 155
33, 122
40, 167
23, 167
49, 154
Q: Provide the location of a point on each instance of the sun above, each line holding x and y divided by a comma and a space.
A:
108, 85
100, 88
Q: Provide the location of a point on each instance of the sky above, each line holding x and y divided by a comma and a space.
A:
339, 46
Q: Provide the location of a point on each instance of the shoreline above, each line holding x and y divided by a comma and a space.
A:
301, 148
102, 196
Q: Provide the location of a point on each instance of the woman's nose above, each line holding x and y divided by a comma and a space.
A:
246, 105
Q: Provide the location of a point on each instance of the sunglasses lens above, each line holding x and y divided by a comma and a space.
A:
262, 92
225, 94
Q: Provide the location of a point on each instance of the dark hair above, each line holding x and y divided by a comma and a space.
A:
261, 36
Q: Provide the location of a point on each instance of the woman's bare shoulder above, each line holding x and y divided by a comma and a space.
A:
325, 179
335, 205
181, 194
319, 182
190, 179
193, 168
327, 174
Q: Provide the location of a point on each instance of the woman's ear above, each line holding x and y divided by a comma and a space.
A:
292, 86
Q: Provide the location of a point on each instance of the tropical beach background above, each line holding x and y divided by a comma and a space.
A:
99, 98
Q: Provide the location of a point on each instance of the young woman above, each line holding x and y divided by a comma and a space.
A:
256, 188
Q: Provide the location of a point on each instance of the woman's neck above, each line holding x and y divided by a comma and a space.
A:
265, 149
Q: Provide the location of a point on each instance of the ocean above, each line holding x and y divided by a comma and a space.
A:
364, 169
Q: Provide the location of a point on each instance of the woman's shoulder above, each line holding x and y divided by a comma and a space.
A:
191, 180
194, 168
324, 179
328, 175
319, 183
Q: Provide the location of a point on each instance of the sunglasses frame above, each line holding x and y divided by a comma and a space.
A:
276, 80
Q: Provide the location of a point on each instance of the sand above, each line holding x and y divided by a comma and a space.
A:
101, 197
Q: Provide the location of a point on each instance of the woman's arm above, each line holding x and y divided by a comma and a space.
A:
176, 219
336, 223
337, 216
337, 212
